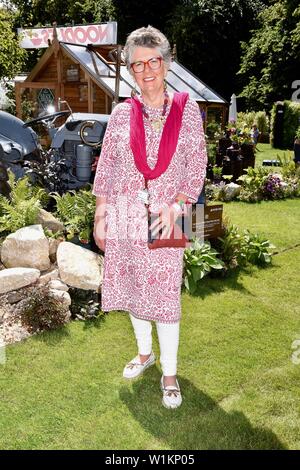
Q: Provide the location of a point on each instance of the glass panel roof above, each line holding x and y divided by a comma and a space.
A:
178, 78
184, 76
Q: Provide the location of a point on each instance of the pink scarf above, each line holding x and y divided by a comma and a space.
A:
168, 140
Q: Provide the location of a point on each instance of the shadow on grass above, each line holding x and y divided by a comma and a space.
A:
200, 423
212, 285
52, 337
95, 322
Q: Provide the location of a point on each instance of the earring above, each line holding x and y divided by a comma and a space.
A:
165, 85
133, 92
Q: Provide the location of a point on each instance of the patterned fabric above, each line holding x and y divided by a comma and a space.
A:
144, 282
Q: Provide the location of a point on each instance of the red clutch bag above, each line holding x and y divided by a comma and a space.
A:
177, 238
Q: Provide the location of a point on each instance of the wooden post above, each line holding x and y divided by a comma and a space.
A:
57, 93
55, 31
118, 67
106, 103
59, 75
205, 107
90, 95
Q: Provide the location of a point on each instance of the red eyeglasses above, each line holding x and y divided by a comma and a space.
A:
154, 64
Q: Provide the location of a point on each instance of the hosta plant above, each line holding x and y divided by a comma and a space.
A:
199, 260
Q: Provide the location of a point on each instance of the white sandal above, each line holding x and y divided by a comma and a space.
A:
171, 395
134, 368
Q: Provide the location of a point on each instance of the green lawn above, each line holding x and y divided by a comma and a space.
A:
266, 152
241, 390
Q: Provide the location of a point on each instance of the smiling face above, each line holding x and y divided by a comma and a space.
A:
149, 81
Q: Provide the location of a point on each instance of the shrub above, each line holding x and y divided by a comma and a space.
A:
230, 246
291, 119
199, 260
262, 121
253, 184
233, 250
41, 311
258, 250
76, 210
237, 249
245, 119
273, 187
211, 152
213, 130
22, 206
85, 304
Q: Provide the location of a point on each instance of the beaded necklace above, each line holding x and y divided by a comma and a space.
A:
158, 122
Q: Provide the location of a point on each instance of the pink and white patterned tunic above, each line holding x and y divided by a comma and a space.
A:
145, 282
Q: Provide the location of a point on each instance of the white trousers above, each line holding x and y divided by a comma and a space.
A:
168, 337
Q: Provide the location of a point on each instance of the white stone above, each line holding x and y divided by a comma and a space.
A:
15, 278
79, 267
231, 191
58, 285
61, 295
47, 277
28, 247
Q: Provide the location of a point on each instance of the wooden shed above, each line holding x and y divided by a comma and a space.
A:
90, 78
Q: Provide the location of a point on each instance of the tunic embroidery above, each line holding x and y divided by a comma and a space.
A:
144, 282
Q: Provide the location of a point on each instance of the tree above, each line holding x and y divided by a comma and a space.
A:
39, 13
32, 13
207, 32
134, 14
12, 57
270, 61
208, 35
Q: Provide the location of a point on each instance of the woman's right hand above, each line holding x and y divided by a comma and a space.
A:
99, 232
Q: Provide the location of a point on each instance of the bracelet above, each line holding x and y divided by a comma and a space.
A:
181, 202
177, 207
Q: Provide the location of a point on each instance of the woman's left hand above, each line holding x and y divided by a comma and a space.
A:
166, 218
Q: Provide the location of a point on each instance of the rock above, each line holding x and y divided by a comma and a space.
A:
15, 296
61, 295
68, 316
53, 245
48, 276
28, 247
15, 278
47, 220
79, 267
231, 191
58, 285
2, 266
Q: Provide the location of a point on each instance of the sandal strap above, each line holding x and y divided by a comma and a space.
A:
131, 365
170, 391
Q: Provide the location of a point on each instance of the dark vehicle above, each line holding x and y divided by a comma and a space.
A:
17, 143
71, 160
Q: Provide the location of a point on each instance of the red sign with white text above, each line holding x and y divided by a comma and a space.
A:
105, 33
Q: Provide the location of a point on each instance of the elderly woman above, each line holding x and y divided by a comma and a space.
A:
147, 282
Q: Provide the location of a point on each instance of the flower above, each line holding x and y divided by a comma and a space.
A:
273, 187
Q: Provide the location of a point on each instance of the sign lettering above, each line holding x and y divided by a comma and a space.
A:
105, 33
